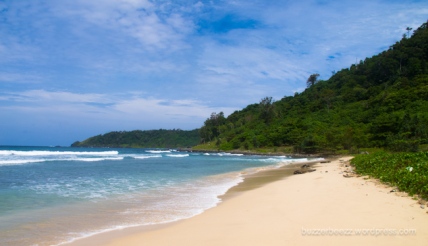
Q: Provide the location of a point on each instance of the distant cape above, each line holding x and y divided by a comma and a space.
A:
161, 138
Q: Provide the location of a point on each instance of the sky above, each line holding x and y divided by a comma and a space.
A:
72, 69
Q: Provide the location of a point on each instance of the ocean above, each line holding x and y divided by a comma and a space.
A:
56, 195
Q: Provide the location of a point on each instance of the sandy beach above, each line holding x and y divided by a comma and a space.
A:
316, 208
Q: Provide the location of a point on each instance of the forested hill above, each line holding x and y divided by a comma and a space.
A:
143, 139
379, 102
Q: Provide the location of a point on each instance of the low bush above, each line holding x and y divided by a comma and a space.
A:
407, 171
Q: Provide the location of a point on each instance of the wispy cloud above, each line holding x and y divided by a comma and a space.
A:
137, 19
19, 78
114, 106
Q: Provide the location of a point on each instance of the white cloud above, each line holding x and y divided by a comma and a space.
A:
59, 97
137, 19
130, 106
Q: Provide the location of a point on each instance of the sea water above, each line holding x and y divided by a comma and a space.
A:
52, 195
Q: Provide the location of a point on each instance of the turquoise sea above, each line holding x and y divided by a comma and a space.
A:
55, 195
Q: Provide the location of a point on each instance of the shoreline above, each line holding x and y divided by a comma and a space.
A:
250, 181
274, 207
249, 152
261, 178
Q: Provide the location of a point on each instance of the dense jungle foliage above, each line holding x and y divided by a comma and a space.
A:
407, 171
143, 139
379, 102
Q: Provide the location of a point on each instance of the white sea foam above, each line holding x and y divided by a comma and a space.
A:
19, 162
146, 156
158, 151
79, 236
178, 155
230, 154
88, 188
29, 161
170, 204
98, 159
55, 153
16, 157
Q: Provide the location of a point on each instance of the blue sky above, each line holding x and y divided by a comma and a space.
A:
71, 69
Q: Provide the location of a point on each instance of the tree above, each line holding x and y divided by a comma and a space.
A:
408, 31
266, 102
266, 108
211, 128
312, 79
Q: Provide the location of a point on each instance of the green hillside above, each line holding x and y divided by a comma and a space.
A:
143, 139
379, 102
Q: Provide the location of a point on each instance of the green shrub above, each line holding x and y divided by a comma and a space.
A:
407, 171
